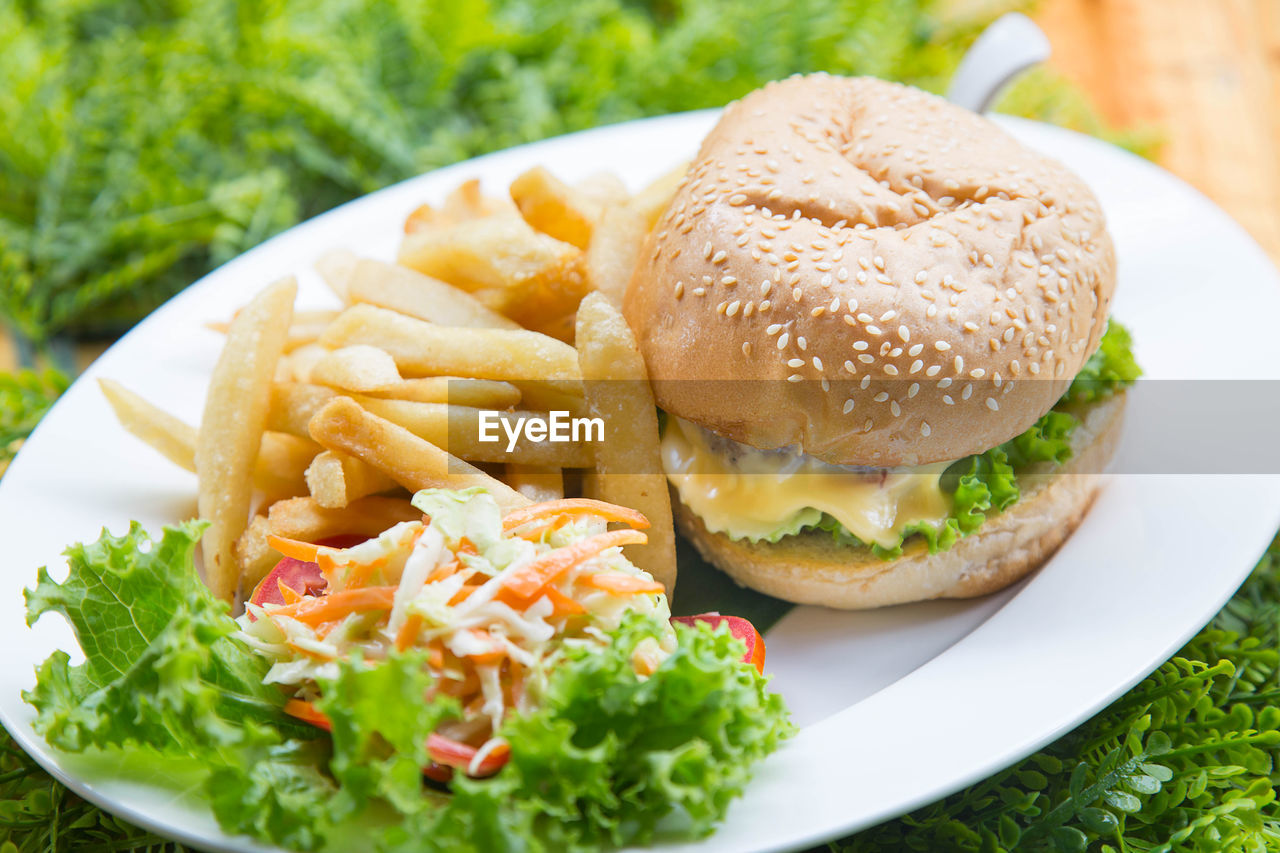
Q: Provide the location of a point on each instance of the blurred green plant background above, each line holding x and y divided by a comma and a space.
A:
145, 142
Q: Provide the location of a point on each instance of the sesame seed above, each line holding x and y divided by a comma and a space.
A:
746, 348
915, 349
795, 362
865, 383
802, 343
796, 293
904, 333
970, 326
933, 370
925, 429
679, 289
967, 391
977, 373
773, 329
874, 330
881, 397
915, 366
795, 377
849, 366
848, 405
818, 311
733, 308
992, 404
946, 398
707, 250
765, 305
888, 315
728, 281
867, 359
699, 291
895, 408
941, 346
959, 364
784, 340
817, 364
891, 369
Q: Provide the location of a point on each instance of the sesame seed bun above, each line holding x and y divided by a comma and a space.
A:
811, 568
905, 282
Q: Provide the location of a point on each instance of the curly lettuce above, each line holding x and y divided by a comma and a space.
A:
987, 483
606, 756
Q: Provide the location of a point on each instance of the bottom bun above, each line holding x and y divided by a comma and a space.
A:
811, 568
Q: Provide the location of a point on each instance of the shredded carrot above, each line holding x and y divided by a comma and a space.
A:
533, 534
466, 546
288, 593
463, 594
564, 605
575, 506
435, 655
307, 552
619, 584
408, 631
361, 572
336, 605
528, 580
443, 571
308, 713
452, 753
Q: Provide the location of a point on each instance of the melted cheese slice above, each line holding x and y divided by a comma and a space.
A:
756, 493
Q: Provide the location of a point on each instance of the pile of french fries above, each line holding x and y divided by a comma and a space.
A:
322, 424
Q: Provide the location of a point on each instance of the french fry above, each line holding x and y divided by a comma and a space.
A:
305, 329
356, 368
615, 247
412, 462
538, 483
335, 268
555, 208
466, 202
604, 188
280, 469
172, 437
457, 430
336, 479
296, 366
528, 276
277, 472
407, 291
628, 468
235, 416
652, 201
307, 521
254, 556
293, 404
480, 393
425, 349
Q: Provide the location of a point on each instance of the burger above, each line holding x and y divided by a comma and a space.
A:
878, 327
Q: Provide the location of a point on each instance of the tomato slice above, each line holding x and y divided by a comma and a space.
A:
740, 628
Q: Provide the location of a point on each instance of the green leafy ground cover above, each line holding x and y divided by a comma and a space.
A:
147, 141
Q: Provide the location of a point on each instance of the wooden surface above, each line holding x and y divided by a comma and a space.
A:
1204, 73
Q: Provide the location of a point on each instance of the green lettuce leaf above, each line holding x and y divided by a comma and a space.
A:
159, 660
607, 755
1110, 368
610, 753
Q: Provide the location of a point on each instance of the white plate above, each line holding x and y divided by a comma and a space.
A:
898, 707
